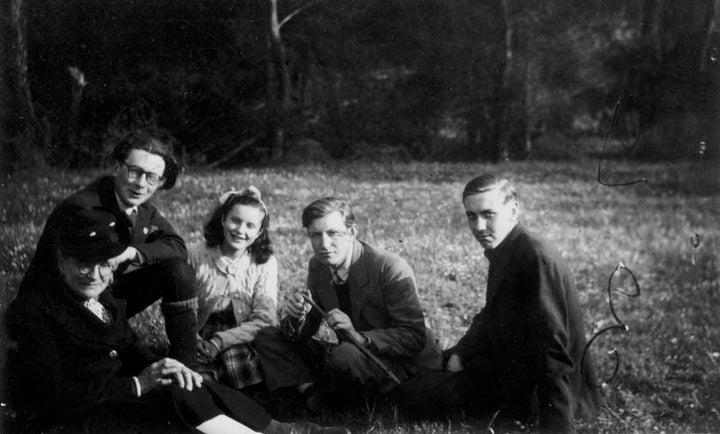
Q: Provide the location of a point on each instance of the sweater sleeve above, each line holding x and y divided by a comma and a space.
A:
264, 308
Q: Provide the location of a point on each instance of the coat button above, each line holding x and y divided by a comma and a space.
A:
113, 354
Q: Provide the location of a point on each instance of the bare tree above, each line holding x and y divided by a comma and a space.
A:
279, 87
35, 134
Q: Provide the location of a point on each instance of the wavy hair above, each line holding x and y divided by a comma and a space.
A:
491, 181
327, 205
144, 141
261, 250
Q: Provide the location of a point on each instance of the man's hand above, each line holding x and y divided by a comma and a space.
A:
168, 371
296, 305
207, 350
455, 364
341, 324
130, 254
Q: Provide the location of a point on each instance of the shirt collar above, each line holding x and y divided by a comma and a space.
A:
498, 252
343, 271
127, 210
232, 267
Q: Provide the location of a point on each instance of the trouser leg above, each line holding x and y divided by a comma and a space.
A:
173, 282
286, 363
345, 363
434, 393
214, 399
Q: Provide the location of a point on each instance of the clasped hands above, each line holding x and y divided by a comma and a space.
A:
339, 321
166, 372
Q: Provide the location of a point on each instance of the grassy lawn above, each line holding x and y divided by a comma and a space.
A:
669, 375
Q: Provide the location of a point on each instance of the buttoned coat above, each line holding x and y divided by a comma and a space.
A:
151, 234
529, 337
75, 372
68, 361
384, 302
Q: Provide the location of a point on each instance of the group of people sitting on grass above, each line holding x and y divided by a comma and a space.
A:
106, 254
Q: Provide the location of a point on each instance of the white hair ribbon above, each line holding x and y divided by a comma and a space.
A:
251, 191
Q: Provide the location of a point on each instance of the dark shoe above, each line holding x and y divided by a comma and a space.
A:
311, 428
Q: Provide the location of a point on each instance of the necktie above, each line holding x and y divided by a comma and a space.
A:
99, 310
336, 280
132, 217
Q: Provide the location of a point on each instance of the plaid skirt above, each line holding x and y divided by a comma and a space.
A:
237, 366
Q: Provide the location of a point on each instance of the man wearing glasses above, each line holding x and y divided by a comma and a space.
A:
522, 357
368, 297
154, 265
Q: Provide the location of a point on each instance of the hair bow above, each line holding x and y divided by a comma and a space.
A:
251, 191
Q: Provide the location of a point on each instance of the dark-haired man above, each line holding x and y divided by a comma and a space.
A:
522, 355
154, 265
371, 302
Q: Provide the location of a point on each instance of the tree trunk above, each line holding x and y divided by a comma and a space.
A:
505, 56
528, 104
278, 87
711, 23
29, 120
78, 85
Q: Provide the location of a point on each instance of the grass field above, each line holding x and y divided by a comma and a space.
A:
669, 376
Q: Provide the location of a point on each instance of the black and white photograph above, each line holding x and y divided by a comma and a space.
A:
379, 216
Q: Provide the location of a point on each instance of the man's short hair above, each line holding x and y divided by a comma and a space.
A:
144, 141
488, 182
327, 205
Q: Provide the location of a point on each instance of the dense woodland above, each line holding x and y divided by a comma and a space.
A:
237, 81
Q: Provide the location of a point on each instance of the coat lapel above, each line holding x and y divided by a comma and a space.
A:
498, 262
79, 321
357, 281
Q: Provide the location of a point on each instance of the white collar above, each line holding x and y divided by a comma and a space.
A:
233, 267
343, 271
127, 210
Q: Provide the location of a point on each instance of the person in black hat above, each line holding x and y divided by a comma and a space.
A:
78, 366
154, 264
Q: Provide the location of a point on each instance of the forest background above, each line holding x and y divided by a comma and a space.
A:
236, 82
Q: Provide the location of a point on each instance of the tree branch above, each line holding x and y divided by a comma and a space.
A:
297, 11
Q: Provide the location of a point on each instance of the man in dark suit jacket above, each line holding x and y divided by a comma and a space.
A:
154, 265
522, 353
371, 302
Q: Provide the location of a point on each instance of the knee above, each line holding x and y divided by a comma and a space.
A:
179, 279
266, 336
343, 357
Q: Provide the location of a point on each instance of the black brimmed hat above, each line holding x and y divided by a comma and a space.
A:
92, 235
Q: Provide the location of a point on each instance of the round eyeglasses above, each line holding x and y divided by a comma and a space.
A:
86, 268
135, 173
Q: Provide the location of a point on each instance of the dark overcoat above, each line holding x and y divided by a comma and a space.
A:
68, 361
529, 339
73, 372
